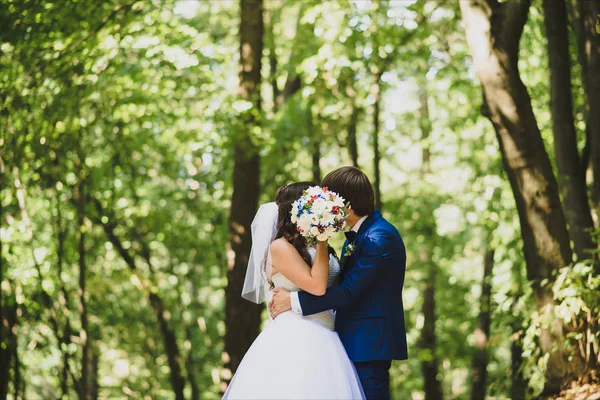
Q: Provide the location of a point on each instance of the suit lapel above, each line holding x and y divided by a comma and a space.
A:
345, 260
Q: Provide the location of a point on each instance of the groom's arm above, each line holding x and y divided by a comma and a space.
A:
378, 248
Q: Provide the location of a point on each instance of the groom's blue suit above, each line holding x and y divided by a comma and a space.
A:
368, 301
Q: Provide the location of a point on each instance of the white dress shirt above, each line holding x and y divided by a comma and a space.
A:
295, 302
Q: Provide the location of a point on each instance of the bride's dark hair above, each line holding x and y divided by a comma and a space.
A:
286, 195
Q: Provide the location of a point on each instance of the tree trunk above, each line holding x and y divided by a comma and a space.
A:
482, 332
493, 30
425, 125
589, 56
18, 382
8, 317
584, 15
316, 147
49, 304
376, 92
574, 9
293, 82
316, 161
167, 332
8, 311
191, 366
277, 100
64, 302
81, 228
242, 318
94, 385
518, 386
170, 345
429, 364
8, 339
571, 179
352, 145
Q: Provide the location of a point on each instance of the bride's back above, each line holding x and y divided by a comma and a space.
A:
325, 318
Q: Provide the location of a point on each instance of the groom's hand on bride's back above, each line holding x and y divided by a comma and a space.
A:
280, 302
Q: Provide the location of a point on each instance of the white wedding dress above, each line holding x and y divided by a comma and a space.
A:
297, 357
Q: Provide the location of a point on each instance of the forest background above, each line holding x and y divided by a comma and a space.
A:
139, 138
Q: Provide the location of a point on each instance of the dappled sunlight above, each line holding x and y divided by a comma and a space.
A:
124, 249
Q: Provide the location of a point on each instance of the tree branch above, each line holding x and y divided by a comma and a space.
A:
293, 82
125, 8
109, 230
272, 58
494, 5
515, 16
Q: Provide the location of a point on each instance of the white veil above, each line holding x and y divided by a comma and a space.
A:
264, 229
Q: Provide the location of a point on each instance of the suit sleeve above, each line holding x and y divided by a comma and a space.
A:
369, 265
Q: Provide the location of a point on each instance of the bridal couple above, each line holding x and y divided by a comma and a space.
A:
337, 324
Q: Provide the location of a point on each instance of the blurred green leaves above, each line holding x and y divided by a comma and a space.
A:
149, 91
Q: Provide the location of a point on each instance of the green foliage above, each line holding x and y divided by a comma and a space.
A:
577, 304
137, 101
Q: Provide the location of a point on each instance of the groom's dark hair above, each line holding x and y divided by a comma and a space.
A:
354, 186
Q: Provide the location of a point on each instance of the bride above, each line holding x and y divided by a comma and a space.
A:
316, 364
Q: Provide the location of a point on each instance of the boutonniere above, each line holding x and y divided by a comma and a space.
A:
349, 250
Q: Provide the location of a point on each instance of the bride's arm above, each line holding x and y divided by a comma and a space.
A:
288, 261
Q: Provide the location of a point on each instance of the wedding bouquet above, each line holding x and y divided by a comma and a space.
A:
318, 214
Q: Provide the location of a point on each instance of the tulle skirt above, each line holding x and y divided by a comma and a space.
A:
295, 358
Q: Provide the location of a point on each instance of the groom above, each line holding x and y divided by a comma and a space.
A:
368, 298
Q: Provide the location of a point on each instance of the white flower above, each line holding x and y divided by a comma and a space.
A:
314, 190
322, 237
318, 207
313, 214
304, 225
327, 218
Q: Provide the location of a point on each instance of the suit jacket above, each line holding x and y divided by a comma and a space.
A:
368, 298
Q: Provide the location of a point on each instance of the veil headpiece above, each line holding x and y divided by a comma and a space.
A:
264, 229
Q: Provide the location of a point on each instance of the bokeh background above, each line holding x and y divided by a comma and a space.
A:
139, 137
